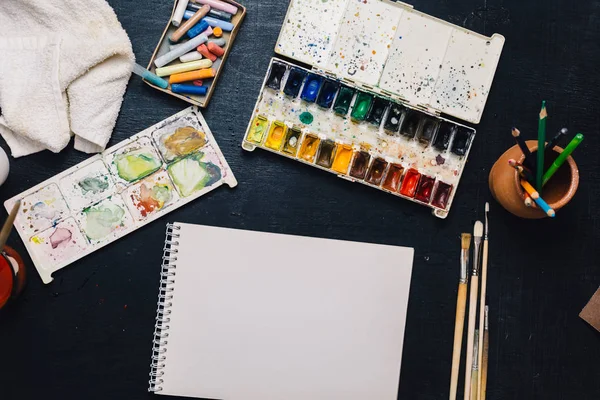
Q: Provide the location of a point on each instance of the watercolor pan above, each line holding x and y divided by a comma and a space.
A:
119, 190
163, 48
373, 151
399, 70
294, 82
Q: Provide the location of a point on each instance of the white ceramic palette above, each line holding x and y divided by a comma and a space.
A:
393, 53
120, 190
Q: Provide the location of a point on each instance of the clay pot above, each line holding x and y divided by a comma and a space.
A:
506, 189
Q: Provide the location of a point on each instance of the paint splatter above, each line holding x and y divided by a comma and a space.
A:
152, 199
60, 236
102, 219
136, 165
184, 141
42, 210
191, 174
306, 118
94, 184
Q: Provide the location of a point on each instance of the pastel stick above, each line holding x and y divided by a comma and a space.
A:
179, 51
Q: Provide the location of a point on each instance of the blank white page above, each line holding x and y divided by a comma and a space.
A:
262, 316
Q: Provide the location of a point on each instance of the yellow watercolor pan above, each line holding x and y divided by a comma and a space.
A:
343, 155
258, 129
276, 135
309, 147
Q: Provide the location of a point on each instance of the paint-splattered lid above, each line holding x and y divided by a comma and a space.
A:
392, 48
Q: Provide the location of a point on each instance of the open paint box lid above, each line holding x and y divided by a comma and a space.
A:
390, 48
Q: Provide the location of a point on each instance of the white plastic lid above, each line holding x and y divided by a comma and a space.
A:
390, 46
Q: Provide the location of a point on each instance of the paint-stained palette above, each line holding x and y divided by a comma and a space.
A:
370, 110
112, 194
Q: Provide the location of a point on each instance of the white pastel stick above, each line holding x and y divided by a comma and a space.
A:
179, 51
179, 11
191, 56
185, 67
219, 5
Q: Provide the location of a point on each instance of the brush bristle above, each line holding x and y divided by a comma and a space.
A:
478, 229
465, 241
487, 207
516, 132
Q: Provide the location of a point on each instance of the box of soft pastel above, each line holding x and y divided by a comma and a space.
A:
193, 48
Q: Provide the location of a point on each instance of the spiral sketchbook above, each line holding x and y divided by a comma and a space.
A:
261, 316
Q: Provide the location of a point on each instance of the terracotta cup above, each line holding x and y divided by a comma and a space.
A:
506, 189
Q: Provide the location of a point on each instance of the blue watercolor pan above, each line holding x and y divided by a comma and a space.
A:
327, 93
311, 88
294, 82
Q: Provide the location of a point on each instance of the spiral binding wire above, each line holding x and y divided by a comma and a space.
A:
165, 295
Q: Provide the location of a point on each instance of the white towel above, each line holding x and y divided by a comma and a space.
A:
64, 67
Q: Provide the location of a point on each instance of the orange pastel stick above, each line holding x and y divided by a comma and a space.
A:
192, 75
202, 49
216, 50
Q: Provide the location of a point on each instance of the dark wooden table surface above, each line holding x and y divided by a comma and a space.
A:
88, 334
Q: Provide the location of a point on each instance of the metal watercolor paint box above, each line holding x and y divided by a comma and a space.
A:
407, 71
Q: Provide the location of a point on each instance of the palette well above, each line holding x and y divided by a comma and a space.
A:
197, 85
120, 190
362, 136
374, 104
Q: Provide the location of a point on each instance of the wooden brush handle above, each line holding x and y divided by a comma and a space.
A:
484, 365
482, 308
474, 380
471, 334
459, 325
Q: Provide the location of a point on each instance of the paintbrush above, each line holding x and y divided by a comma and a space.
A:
562, 133
477, 234
475, 368
7, 227
539, 169
484, 364
461, 303
526, 152
484, 264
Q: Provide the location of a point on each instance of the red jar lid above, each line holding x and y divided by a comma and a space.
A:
6, 281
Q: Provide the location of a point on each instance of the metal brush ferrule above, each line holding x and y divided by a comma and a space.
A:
464, 262
476, 254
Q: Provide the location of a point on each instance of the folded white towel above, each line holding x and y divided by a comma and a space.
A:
64, 67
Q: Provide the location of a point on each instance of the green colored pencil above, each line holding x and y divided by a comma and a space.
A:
541, 146
560, 160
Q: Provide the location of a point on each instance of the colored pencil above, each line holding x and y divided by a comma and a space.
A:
485, 350
8, 224
560, 160
475, 368
477, 234
538, 200
526, 152
484, 266
563, 132
461, 305
539, 170
522, 174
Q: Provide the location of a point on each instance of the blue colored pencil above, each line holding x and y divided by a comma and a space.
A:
538, 200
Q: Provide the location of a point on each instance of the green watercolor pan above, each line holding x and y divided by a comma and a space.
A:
405, 84
119, 190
